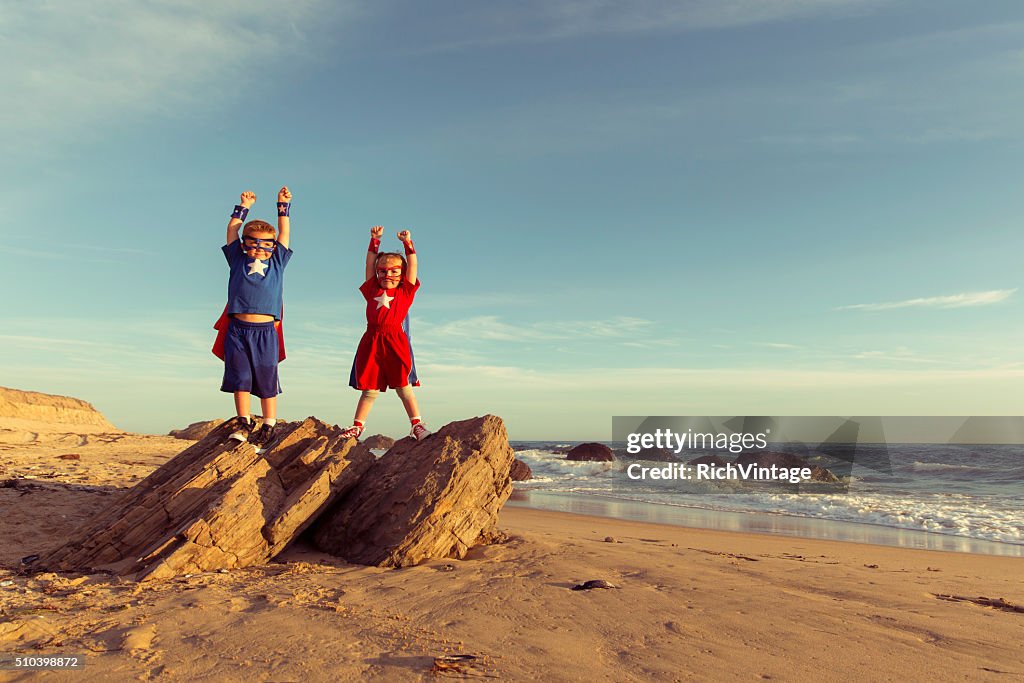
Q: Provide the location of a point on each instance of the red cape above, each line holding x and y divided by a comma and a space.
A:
222, 332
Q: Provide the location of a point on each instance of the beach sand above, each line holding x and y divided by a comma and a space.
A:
690, 604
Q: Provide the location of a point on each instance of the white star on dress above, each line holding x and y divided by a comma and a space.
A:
257, 267
383, 301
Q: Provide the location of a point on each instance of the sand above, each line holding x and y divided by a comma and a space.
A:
689, 604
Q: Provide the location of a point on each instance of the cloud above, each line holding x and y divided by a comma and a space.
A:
546, 20
73, 252
472, 301
964, 300
55, 255
610, 382
900, 356
39, 343
491, 328
834, 141
75, 66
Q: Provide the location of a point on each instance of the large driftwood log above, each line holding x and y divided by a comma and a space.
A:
435, 498
218, 504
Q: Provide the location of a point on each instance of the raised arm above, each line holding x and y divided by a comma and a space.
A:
284, 204
248, 198
410, 256
376, 232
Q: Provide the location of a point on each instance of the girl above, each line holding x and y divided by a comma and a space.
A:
384, 356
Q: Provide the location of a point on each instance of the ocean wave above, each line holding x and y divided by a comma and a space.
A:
947, 498
553, 467
940, 470
998, 520
960, 516
941, 466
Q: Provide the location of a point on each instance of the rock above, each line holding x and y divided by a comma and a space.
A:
34, 410
609, 539
823, 475
70, 456
711, 459
196, 430
520, 471
217, 505
379, 441
769, 458
592, 584
654, 454
429, 499
591, 452
458, 664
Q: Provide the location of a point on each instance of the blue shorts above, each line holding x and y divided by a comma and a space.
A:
250, 359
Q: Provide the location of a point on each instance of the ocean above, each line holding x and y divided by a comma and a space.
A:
964, 498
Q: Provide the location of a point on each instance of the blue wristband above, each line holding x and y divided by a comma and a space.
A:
284, 208
240, 212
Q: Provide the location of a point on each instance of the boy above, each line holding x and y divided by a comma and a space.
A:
255, 286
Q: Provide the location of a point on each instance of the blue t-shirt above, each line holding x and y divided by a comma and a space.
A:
255, 286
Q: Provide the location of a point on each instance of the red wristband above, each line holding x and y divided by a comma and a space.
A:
374, 245
409, 249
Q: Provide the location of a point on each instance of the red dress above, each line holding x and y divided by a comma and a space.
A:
384, 356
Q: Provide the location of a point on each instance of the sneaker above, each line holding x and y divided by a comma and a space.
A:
263, 435
419, 431
352, 432
241, 428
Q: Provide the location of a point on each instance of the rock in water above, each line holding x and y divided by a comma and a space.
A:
379, 441
423, 500
520, 471
769, 458
824, 475
591, 451
710, 459
217, 505
653, 454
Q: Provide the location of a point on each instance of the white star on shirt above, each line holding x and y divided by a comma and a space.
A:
259, 267
383, 301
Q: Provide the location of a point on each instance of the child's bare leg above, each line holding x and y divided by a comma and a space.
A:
243, 423
269, 408
412, 408
242, 403
265, 434
366, 400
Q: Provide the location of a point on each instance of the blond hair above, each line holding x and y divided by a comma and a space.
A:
390, 256
258, 226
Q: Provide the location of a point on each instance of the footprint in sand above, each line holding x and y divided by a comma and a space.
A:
139, 638
31, 631
239, 605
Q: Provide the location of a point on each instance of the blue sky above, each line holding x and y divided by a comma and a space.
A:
728, 207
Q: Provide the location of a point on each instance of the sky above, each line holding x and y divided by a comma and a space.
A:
690, 207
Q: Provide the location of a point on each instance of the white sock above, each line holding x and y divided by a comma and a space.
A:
271, 422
